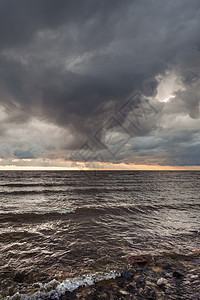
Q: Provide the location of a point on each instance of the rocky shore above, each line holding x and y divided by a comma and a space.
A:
166, 277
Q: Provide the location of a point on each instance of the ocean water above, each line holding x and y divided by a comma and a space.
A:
63, 229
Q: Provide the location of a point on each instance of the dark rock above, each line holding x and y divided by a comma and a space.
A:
167, 267
140, 282
19, 277
120, 283
128, 275
149, 293
131, 288
103, 296
177, 275
162, 287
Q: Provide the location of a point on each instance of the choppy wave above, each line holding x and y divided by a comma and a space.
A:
36, 184
94, 210
84, 210
57, 188
15, 216
55, 289
32, 192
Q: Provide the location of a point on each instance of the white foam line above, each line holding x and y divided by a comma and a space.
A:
67, 211
54, 289
62, 212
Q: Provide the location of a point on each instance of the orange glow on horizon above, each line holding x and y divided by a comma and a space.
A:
106, 166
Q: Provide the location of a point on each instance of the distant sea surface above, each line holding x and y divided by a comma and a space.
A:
59, 230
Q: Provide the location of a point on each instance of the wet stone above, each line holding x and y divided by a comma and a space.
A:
161, 281
103, 295
19, 277
177, 275
138, 260
140, 282
194, 277
140, 291
187, 282
192, 271
121, 283
167, 267
128, 275
157, 269
123, 292
149, 293
131, 288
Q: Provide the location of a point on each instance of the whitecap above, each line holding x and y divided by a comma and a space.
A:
54, 289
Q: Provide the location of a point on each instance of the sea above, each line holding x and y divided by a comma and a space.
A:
63, 229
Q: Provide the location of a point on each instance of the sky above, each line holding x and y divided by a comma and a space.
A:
91, 84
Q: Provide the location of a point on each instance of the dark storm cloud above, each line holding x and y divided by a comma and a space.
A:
22, 19
72, 63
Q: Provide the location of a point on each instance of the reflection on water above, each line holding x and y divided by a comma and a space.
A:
56, 225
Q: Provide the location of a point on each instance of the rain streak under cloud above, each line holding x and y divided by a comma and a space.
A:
67, 69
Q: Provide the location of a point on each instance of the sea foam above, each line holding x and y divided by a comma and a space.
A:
54, 289
62, 212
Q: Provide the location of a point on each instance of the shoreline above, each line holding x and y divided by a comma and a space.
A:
164, 277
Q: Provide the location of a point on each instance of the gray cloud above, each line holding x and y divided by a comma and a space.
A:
73, 64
